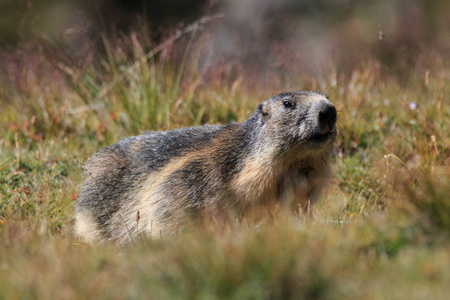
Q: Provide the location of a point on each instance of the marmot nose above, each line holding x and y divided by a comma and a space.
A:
327, 116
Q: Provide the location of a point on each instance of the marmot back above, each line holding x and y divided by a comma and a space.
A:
170, 178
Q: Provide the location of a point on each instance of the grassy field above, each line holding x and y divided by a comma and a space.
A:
381, 231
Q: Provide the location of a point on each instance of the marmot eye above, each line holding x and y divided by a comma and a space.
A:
287, 104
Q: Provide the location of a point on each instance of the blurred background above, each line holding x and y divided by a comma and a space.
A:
77, 76
286, 35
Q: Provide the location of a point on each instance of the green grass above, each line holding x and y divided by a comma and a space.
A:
380, 231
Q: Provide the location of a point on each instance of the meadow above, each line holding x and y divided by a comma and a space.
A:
380, 231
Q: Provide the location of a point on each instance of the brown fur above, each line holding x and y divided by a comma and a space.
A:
172, 178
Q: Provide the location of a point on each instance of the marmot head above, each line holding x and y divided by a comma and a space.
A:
298, 121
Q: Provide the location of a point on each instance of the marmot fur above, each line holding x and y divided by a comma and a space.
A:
164, 179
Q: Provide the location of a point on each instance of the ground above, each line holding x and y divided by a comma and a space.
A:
380, 231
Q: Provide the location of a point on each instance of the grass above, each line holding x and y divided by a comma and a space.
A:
380, 231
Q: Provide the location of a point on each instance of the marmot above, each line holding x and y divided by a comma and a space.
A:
164, 179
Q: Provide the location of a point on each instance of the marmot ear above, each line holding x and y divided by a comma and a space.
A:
263, 108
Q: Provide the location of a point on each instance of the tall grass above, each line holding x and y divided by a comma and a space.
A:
380, 231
